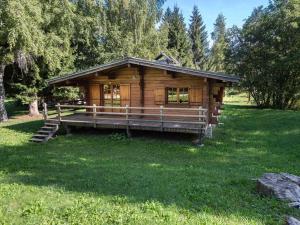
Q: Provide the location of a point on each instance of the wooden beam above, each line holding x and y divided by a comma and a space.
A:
142, 85
112, 76
210, 99
172, 73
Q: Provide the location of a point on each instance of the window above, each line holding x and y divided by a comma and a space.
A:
111, 95
178, 95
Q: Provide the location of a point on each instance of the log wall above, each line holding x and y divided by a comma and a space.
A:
202, 92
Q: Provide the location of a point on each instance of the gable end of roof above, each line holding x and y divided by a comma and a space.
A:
146, 63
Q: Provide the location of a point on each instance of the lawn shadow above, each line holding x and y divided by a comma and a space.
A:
135, 170
215, 179
30, 126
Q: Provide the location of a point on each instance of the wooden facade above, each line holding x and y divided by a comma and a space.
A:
144, 87
148, 87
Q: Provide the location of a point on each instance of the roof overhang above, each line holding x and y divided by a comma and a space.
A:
145, 63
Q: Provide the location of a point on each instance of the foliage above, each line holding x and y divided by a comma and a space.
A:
198, 36
265, 53
130, 29
89, 30
34, 57
66, 93
18, 20
117, 137
90, 178
178, 39
217, 55
71, 35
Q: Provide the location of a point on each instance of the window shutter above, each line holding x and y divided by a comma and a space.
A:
159, 96
125, 94
196, 96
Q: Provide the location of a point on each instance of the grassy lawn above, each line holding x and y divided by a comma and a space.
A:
98, 178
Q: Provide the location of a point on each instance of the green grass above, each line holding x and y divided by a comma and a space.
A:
100, 178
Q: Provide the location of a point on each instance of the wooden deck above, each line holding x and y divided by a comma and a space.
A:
189, 120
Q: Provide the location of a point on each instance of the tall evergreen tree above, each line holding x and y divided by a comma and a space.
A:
178, 40
198, 36
217, 55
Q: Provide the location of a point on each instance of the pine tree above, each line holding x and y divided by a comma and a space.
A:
198, 36
217, 56
178, 40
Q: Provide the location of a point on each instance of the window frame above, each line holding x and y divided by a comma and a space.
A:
177, 94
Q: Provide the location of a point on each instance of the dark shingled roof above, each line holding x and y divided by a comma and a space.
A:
146, 63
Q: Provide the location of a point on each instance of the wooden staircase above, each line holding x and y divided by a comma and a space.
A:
46, 132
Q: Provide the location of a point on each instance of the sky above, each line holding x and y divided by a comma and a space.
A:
235, 11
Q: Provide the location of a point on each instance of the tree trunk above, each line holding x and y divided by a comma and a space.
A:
249, 96
33, 108
3, 113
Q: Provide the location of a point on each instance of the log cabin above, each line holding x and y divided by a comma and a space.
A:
138, 94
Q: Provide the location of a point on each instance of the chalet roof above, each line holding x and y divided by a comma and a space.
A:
146, 63
164, 58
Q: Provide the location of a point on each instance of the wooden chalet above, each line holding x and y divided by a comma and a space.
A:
139, 94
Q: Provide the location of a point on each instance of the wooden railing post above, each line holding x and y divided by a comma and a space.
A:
161, 118
127, 121
126, 111
201, 131
58, 111
200, 114
94, 114
45, 111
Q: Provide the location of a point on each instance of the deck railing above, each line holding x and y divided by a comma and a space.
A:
190, 116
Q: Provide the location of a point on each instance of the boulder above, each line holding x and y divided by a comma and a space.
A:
284, 186
292, 221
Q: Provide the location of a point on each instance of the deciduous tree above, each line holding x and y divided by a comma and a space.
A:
266, 52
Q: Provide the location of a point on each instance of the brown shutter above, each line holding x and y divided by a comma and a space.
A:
159, 95
195, 96
125, 94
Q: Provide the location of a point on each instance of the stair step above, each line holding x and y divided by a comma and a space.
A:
40, 135
51, 124
36, 139
45, 131
47, 128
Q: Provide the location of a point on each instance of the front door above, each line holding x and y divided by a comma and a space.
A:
116, 95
